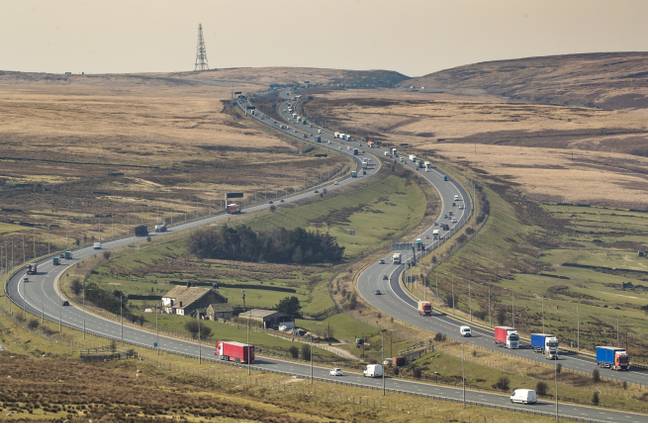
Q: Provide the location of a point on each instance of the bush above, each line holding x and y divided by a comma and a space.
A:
192, 327
596, 376
294, 352
278, 246
106, 254
541, 388
306, 352
33, 324
502, 383
595, 398
289, 306
500, 317
141, 231
439, 337
558, 368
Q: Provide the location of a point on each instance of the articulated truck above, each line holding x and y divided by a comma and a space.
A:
234, 351
397, 258
547, 344
507, 337
424, 307
615, 358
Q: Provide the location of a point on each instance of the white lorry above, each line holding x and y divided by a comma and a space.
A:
373, 371
397, 258
436, 233
412, 158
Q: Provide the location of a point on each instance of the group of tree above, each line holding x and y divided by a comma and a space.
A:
114, 301
278, 246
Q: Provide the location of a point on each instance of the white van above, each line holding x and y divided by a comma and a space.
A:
96, 245
525, 396
373, 370
465, 331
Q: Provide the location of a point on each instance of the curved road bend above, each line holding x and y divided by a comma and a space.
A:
40, 297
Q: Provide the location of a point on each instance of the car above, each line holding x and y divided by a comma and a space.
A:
385, 277
382, 261
525, 396
66, 303
337, 372
337, 183
454, 220
281, 201
377, 292
316, 191
465, 331
271, 202
25, 279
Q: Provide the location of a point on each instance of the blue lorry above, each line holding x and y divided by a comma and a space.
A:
547, 344
615, 358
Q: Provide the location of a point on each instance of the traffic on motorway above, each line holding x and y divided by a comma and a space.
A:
40, 295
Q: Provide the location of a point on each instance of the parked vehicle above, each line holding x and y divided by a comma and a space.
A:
547, 344
507, 336
235, 352
373, 370
615, 358
336, 372
96, 245
465, 331
525, 396
32, 269
424, 308
397, 258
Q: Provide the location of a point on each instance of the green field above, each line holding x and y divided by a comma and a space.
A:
566, 254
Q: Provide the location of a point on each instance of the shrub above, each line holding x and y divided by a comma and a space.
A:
294, 352
192, 327
439, 337
595, 398
500, 317
558, 368
289, 306
596, 376
502, 383
541, 388
106, 254
33, 324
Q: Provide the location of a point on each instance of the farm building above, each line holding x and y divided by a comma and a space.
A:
217, 311
186, 300
264, 317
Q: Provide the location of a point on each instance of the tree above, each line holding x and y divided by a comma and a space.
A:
33, 324
596, 376
205, 332
502, 383
541, 388
558, 368
294, 352
306, 352
289, 306
106, 254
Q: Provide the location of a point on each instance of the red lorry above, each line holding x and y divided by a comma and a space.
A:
235, 352
507, 336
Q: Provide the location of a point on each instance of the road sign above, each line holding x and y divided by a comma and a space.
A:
234, 195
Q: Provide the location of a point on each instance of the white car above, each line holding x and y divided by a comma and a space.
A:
336, 372
465, 331
525, 396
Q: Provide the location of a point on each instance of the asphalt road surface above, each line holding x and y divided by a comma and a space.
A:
41, 297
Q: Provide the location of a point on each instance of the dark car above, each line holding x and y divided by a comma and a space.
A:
377, 292
66, 303
385, 277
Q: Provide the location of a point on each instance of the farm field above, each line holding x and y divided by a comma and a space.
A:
88, 157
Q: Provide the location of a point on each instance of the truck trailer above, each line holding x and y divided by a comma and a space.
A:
397, 258
424, 308
234, 351
507, 336
615, 358
547, 344
412, 158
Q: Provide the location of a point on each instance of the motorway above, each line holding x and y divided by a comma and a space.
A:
41, 297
